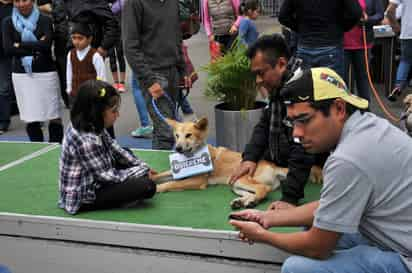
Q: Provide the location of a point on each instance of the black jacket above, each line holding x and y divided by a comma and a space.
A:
320, 23
97, 13
291, 154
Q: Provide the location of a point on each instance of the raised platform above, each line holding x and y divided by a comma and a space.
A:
173, 232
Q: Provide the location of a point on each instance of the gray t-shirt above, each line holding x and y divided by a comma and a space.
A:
368, 185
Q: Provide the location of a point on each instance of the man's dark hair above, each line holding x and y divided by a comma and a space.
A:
272, 46
324, 107
93, 98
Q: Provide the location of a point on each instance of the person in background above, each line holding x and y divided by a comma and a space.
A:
152, 41
99, 16
116, 56
248, 33
146, 129
6, 85
405, 63
94, 171
353, 44
27, 38
83, 62
221, 21
319, 25
61, 37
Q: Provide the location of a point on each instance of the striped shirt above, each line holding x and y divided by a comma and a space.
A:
87, 162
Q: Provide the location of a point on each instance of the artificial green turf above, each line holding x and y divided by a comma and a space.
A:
32, 188
13, 151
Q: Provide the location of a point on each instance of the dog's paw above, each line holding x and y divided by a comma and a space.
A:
236, 203
251, 204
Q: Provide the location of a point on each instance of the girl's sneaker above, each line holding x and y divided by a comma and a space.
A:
121, 88
144, 131
396, 92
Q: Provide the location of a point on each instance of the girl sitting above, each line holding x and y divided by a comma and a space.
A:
95, 172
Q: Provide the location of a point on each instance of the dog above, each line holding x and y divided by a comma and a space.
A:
406, 116
191, 136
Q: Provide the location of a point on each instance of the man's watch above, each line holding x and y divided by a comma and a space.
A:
16, 45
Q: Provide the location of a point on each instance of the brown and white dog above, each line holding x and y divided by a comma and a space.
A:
190, 136
406, 116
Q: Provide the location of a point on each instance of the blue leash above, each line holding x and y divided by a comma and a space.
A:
171, 102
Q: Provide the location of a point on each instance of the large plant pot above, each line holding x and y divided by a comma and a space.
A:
234, 128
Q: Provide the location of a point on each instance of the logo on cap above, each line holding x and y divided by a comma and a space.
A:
332, 80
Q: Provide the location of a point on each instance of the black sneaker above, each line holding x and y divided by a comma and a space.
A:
396, 92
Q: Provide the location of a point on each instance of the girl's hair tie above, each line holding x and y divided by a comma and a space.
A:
102, 92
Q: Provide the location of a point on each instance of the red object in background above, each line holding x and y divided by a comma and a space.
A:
215, 51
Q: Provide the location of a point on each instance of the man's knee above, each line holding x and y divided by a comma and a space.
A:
296, 264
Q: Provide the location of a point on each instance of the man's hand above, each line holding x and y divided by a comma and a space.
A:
249, 231
277, 205
245, 167
102, 51
211, 38
156, 91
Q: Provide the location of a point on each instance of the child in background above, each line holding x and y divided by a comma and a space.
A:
83, 62
95, 172
248, 33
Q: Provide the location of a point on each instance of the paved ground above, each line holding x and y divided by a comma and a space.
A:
198, 51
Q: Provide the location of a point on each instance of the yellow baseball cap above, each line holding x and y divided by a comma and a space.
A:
317, 84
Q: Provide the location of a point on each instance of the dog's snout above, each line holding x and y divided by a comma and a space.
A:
179, 149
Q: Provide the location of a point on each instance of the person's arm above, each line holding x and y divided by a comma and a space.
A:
352, 13
206, 19
17, 48
99, 66
46, 7
238, 18
315, 243
69, 74
131, 31
287, 15
93, 158
390, 12
110, 26
377, 16
258, 143
243, 29
44, 42
123, 156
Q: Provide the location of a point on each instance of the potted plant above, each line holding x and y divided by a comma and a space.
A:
231, 82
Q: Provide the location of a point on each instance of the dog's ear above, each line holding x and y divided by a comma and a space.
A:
201, 124
172, 123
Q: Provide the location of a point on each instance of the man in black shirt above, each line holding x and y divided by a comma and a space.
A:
320, 26
271, 139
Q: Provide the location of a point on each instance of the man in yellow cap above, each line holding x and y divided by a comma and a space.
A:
363, 220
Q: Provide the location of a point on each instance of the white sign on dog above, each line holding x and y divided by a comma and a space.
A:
183, 166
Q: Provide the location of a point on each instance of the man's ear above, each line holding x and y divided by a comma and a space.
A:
202, 124
171, 122
340, 106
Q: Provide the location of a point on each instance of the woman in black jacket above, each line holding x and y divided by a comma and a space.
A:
27, 37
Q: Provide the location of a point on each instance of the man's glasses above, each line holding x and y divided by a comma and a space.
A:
299, 121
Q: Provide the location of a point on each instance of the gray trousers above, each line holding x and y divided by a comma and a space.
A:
162, 134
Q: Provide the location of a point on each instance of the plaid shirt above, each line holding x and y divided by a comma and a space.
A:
87, 161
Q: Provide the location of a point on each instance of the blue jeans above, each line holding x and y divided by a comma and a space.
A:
140, 103
331, 56
404, 64
6, 92
356, 58
353, 254
4, 269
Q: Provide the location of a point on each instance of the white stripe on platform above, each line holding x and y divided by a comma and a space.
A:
29, 156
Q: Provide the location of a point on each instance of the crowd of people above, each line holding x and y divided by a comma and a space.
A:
363, 218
